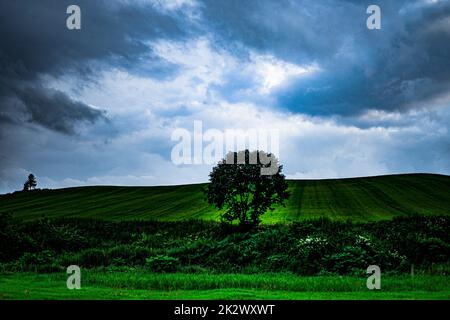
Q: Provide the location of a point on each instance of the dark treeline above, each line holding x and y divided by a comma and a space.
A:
317, 247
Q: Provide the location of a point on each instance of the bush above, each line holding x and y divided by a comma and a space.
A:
93, 257
131, 254
9, 239
308, 248
431, 250
348, 261
162, 263
38, 262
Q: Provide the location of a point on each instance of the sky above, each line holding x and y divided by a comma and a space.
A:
98, 106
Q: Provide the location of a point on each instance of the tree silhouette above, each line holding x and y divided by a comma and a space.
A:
30, 183
240, 187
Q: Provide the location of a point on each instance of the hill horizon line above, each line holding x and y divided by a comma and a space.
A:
201, 183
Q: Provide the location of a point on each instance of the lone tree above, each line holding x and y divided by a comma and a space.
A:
243, 190
30, 183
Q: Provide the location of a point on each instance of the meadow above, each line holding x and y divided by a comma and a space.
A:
144, 285
166, 243
357, 199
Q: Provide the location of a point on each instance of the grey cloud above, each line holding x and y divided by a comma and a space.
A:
36, 42
34, 33
403, 66
296, 31
51, 109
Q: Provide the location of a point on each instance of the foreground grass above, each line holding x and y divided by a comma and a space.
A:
357, 199
143, 285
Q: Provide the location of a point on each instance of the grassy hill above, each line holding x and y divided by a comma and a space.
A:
358, 199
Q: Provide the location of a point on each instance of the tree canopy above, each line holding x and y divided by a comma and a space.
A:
240, 187
30, 183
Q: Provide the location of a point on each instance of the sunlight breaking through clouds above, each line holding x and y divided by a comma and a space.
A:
273, 72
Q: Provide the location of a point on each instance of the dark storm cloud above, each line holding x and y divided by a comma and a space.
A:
35, 37
35, 42
297, 31
404, 65
50, 108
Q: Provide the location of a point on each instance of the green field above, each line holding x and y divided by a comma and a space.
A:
124, 239
141, 285
357, 199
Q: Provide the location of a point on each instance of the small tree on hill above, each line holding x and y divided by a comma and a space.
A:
30, 183
242, 189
